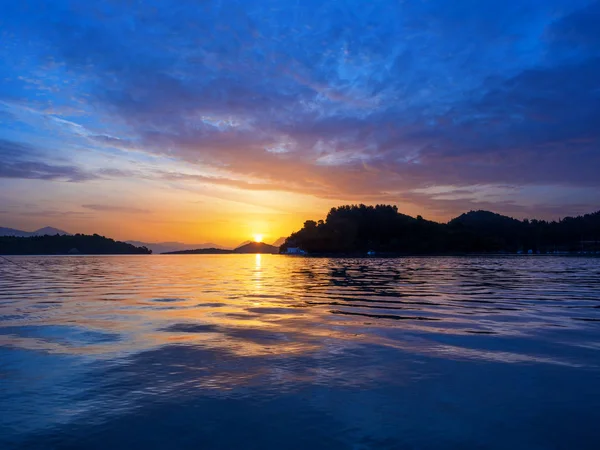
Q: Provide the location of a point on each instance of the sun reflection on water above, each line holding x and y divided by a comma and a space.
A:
123, 330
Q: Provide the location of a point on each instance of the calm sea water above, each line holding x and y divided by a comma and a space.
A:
257, 352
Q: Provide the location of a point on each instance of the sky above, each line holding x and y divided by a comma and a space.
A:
212, 121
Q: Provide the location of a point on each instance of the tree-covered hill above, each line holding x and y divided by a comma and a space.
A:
256, 247
359, 229
66, 244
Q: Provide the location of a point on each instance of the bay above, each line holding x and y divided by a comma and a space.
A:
269, 351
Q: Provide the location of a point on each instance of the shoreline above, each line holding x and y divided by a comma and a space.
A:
334, 255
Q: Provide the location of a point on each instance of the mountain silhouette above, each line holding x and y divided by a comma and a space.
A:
170, 247
201, 251
66, 244
381, 229
46, 231
279, 242
483, 218
13, 232
256, 247
50, 231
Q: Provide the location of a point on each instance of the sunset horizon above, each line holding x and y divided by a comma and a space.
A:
299, 224
234, 240
129, 122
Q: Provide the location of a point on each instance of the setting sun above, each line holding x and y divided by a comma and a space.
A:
258, 238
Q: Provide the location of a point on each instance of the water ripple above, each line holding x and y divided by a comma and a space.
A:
90, 344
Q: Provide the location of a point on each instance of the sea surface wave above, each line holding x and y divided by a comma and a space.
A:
269, 351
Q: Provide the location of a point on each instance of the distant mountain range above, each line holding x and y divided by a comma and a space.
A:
279, 242
257, 247
46, 231
157, 247
251, 247
168, 247
208, 247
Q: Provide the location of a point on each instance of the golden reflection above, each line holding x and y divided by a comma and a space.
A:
257, 276
221, 293
148, 308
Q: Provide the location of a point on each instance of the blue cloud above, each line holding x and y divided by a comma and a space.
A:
367, 97
18, 160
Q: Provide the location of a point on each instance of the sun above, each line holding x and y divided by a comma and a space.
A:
258, 238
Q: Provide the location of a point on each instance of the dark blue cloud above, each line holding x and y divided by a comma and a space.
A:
362, 98
41, 171
19, 160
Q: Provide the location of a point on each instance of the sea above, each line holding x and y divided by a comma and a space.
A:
282, 352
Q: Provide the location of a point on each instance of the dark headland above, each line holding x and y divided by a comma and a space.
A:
360, 230
76, 244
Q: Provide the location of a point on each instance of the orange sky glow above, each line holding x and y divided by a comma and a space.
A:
192, 212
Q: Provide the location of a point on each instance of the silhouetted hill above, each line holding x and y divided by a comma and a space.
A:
201, 251
171, 247
41, 232
483, 219
257, 247
251, 247
279, 242
66, 244
359, 229
13, 232
49, 231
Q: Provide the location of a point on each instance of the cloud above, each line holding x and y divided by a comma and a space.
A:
17, 160
6, 117
41, 171
56, 213
514, 206
13, 150
338, 100
577, 33
116, 208
111, 172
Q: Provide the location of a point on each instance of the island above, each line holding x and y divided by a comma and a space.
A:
382, 230
200, 251
251, 247
76, 244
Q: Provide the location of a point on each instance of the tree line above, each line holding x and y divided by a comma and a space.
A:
355, 229
67, 244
